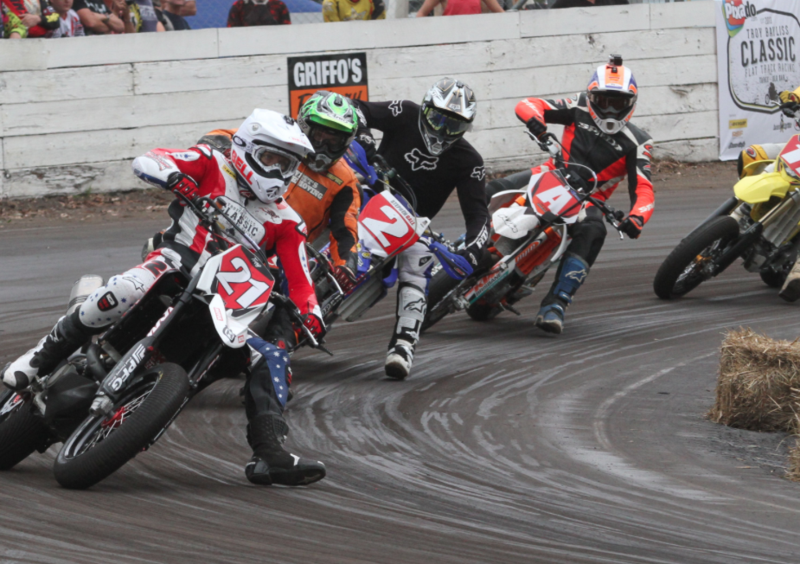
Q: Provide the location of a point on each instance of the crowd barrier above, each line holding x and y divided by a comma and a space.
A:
74, 112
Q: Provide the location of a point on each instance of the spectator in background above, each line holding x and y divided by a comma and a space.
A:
246, 13
38, 16
143, 16
586, 3
459, 7
98, 19
172, 14
12, 25
69, 21
349, 10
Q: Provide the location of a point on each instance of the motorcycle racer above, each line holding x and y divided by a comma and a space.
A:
425, 144
324, 190
790, 104
266, 151
598, 135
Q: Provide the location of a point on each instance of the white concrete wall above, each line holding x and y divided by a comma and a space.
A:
74, 112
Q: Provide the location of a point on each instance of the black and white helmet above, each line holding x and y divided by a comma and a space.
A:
446, 114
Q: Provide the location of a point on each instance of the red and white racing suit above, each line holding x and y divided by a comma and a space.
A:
274, 226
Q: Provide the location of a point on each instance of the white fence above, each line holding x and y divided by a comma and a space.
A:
74, 112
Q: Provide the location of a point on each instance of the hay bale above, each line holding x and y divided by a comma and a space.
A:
759, 383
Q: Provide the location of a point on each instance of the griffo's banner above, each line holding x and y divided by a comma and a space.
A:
344, 73
758, 47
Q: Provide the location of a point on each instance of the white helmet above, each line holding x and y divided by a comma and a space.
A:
266, 150
612, 95
446, 114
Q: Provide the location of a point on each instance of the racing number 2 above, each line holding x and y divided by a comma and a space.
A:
380, 229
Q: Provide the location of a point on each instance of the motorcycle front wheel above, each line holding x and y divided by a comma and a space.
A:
21, 431
685, 267
104, 443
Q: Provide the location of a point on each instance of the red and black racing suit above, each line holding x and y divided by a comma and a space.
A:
612, 157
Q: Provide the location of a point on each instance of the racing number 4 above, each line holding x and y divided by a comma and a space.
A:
242, 275
555, 198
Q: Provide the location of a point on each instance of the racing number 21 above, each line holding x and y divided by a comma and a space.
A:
232, 281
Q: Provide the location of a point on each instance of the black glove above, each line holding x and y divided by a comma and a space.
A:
632, 226
537, 127
791, 109
476, 255
367, 141
182, 185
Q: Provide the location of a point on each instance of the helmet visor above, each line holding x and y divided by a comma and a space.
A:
323, 138
274, 162
445, 124
611, 104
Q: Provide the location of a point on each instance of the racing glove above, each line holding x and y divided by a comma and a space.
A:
632, 226
367, 141
475, 253
345, 274
182, 185
537, 127
789, 96
315, 324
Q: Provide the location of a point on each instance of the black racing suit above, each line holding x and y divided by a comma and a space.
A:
433, 179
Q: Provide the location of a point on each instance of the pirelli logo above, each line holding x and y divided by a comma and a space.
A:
737, 124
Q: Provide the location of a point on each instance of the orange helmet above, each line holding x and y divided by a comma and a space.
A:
611, 95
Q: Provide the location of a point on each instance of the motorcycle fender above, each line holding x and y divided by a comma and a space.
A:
232, 333
757, 189
513, 222
136, 358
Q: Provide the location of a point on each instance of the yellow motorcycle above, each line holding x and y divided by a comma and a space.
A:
760, 224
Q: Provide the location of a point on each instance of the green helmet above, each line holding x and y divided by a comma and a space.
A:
330, 121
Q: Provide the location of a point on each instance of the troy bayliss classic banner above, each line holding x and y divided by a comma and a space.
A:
758, 46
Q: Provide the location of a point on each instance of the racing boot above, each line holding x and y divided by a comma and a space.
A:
411, 307
66, 337
791, 287
572, 271
271, 464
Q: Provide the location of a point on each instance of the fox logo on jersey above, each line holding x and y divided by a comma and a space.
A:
420, 161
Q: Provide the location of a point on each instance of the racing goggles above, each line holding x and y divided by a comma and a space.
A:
273, 162
611, 104
325, 138
445, 124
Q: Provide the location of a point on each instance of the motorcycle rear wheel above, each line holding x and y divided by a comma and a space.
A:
102, 444
681, 272
21, 431
483, 312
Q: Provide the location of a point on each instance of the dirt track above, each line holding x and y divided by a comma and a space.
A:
505, 445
